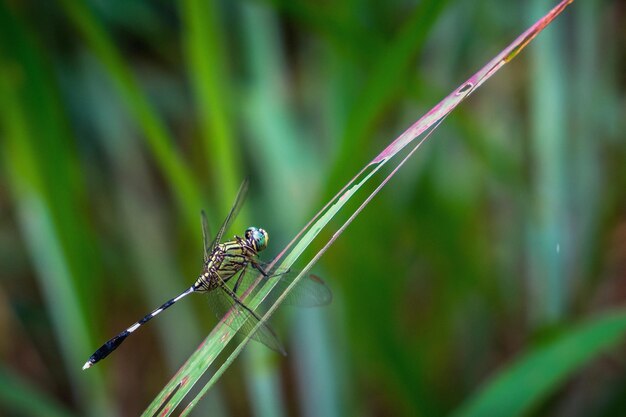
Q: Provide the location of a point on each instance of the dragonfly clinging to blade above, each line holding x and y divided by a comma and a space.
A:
229, 270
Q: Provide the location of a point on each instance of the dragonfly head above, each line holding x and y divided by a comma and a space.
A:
258, 238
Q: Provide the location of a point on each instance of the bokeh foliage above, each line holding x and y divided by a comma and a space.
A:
121, 120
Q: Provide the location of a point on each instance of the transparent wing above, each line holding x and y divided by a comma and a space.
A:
241, 196
205, 235
311, 290
241, 318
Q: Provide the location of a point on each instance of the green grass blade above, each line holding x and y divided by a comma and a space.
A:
283, 163
206, 62
214, 344
263, 382
521, 387
549, 225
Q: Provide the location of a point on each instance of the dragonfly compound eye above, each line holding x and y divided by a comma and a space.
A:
258, 237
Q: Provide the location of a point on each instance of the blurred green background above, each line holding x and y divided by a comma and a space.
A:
120, 120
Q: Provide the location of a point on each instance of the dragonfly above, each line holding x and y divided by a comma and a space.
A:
231, 273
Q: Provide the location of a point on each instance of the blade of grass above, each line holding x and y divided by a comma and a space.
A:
206, 61
549, 229
263, 383
319, 365
522, 386
285, 163
221, 334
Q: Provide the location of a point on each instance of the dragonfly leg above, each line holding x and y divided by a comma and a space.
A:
239, 280
259, 268
267, 274
256, 318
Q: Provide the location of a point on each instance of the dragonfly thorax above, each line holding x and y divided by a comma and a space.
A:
257, 238
229, 258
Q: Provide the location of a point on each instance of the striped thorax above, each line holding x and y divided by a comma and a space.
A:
228, 258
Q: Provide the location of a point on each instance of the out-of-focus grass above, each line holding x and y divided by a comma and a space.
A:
521, 387
175, 171
547, 229
432, 283
205, 51
21, 398
47, 191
